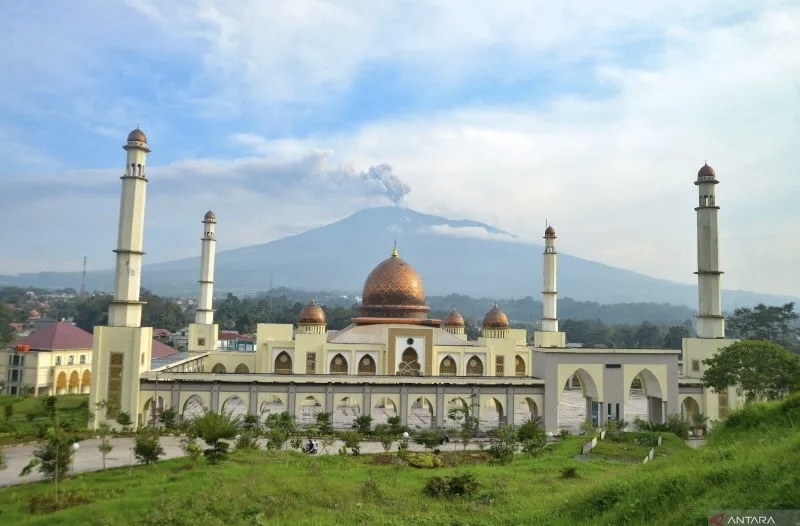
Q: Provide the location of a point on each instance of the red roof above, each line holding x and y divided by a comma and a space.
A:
56, 337
162, 350
229, 335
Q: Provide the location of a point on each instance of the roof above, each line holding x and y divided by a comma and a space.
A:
161, 332
161, 350
56, 337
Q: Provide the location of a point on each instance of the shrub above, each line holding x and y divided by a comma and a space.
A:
428, 438
191, 448
535, 444
147, 446
383, 433
424, 460
569, 472
363, 423
167, 417
504, 444
213, 428
370, 489
352, 440
247, 440
124, 419
462, 485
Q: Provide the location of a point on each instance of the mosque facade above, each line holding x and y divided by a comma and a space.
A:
393, 359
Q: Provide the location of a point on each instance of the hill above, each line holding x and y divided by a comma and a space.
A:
452, 256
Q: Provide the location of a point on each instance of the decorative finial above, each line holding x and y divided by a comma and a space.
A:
394, 250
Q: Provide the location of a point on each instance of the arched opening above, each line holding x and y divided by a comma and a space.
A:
345, 413
61, 383
283, 363
409, 364
519, 366
219, 369
447, 367
578, 390
455, 411
366, 366
272, 405
339, 365
242, 369
420, 414
236, 408
74, 381
86, 381
474, 367
152, 410
643, 399
689, 409
492, 414
309, 408
526, 410
192, 408
384, 409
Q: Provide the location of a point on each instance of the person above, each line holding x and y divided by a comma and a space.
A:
314, 446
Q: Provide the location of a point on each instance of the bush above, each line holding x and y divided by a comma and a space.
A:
569, 472
352, 440
463, 485
191, 448
504, 444
147, 446
424, 460
363, 423
247, 440
534, 445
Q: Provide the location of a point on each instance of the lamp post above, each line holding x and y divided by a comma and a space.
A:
75, 448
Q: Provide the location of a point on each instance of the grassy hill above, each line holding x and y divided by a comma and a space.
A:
750, 462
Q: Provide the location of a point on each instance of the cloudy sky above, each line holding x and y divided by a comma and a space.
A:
283, 116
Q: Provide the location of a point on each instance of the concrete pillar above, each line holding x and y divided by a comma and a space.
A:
329, 399
291, 399
510, 409
403, 406
214, 405
439, 416
252, 407
367, 396
175, 398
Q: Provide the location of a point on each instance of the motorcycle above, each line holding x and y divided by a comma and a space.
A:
310, 448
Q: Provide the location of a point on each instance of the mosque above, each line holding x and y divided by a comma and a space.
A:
392, 360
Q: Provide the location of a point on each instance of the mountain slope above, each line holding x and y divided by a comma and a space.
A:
464, 257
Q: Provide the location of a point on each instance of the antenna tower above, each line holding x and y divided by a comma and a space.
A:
83, 278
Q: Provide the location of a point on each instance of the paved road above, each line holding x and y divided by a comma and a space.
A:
88, 458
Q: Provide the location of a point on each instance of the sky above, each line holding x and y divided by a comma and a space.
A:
283, 116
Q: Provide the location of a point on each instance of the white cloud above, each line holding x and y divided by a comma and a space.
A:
474, 232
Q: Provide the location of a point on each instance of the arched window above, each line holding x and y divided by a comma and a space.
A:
339, 365
242, 369
283, 363
218, 368
409, 366
519, 366
447, 367
474, 367
366, 366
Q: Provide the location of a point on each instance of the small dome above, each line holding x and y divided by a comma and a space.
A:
210, 216
454, 319
550, 232
706, 171
312, 314
495, 319
137, 135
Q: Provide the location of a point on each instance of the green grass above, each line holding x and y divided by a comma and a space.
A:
73, 411
750, 463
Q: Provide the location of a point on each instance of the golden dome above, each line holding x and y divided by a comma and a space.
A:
137, 135
394, 290
210, 216
706, 171
312, 314
495, 319
550, 232
454, 319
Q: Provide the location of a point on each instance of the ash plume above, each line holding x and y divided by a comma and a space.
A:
382, 176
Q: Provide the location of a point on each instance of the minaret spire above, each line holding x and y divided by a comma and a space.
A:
205, 311
549, 292
710, 322
125, 309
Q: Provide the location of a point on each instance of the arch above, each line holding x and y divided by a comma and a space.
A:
235, 407
339, 364
474, 366
588, 384
218, 369
74, 381
447, 367
192, 408
345, 412
61, 380
519, 365
420, 413
242, 369
689, 409
283, 363
384, 409
309, 407
492, 419
454, 403
526, 409
409, 363
272, 405
86, 381
573, 404
152, 410
650, 384
366, 366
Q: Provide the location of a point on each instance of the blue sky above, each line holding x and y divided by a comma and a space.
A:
596, 116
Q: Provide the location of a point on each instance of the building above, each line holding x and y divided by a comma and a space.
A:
393, 360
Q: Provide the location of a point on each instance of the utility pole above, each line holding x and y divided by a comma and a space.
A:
83, 279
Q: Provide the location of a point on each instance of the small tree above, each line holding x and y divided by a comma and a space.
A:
428, 438
760, 370
250, 423
147, 446
3, 464
384, 435
324, 424
104, 446
124, 419
53, 458
246, 440
504, 444
168, 417
364, 424
281, 426
49, 405
352, 441
394, 424
190, 447
213, 428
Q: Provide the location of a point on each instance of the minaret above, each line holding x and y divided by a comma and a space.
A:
205, 313
121, 351
125, 309
549, 294
710, 322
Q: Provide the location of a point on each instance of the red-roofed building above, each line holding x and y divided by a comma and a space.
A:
57, 359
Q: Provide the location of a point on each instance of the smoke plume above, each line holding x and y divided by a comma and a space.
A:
382, 176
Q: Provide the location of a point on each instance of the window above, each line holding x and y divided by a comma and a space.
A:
13, 389
15, 359
58, 360
14, 375
311, 363
83, 359
499, 366
695, 366
201, 342
71, 360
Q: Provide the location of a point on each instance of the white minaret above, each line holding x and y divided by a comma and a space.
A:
710, 322
549, 294
205, 312
125, 309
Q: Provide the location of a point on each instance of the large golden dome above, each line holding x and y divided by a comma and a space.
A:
394, 290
